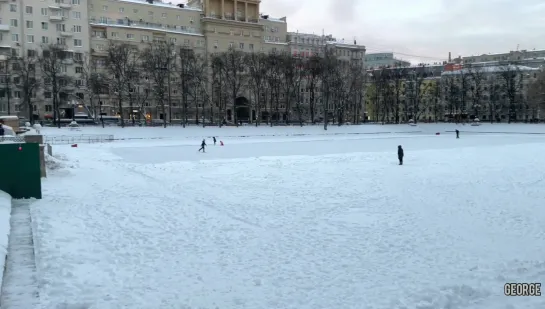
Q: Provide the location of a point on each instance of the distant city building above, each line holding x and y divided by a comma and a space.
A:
378, 60
529, 58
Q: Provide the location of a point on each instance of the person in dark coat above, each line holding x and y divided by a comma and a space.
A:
457, 133
1, 130
214, 138
400, 154
203, 144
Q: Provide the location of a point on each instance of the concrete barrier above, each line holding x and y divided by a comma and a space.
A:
40, 140
5, 215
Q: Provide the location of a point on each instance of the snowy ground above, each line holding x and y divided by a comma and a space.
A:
5, 211
304, 221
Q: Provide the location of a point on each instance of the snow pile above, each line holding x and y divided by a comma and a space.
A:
57, 162
5, 213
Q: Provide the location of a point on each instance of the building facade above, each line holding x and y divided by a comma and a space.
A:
380, 60
25, 26
528, 58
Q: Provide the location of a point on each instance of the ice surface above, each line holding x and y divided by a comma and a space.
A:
5, 211
309, 225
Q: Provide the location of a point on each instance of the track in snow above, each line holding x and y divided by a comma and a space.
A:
20, 289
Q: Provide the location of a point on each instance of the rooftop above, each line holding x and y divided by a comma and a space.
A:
493, 69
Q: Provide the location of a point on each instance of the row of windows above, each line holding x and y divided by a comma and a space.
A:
45, 40
29, 10
135, 11
45, 26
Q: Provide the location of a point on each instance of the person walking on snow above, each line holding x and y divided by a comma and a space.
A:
400, 154
457, 133
214, 138
203, 144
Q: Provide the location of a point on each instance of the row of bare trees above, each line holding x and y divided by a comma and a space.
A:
493, 92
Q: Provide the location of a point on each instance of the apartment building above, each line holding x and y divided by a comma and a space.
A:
25, 27
529, 58
380, 60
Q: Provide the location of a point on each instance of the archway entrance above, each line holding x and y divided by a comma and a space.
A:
242, 108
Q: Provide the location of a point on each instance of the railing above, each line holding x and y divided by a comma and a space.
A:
13, 139
74, 139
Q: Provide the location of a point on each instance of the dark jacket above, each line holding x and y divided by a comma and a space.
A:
400, 152
1, 130
203, 143
214, 138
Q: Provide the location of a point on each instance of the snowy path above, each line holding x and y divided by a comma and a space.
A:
20, 289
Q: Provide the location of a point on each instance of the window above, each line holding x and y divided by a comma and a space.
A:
64, 68
76, 29
78, 56
60, 27
76, 2
186, 42
47, 95
13, 23
30, 38
115, 35
44, 11
241, 45
15, 37
178, 16
231, 45
104, 7
173, 40
76, 15
78, 43
28, 9
164, 15
45, 40
100, 47
61, 41
29, 24
130, 36
30, 53
13, 7
79, 70
45, 26
121, 10
251, 46
145, 38
79, 83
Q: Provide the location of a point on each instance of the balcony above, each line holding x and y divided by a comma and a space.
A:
66, 33
4, 28
66, 6
56, 18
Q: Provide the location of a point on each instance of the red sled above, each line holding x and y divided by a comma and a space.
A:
221, 143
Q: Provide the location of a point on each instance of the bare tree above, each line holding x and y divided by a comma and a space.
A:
495, 102
274, 85
418, 91
233, 75
289, 81
157, 60
329, 65
436, 95
186, 62
7, 80
219, 88
356, 87
94, 80
536, 95
298, 83
451, 94
257, 67
511, 84
53, 69
313, 74
478, 82
24, 73
122, 62
398, 76
201, 81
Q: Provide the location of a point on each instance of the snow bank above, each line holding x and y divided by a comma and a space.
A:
5, 213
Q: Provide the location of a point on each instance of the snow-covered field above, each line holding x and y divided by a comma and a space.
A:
293, 218
5, 213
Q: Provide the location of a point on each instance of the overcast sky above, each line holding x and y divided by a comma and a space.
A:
428, 29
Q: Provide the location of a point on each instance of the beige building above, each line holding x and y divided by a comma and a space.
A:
529, 58
25, 26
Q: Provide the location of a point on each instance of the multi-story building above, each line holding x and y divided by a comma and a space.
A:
380, 60
25, 26
528, 58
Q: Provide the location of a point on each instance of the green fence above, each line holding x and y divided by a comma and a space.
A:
20, 170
